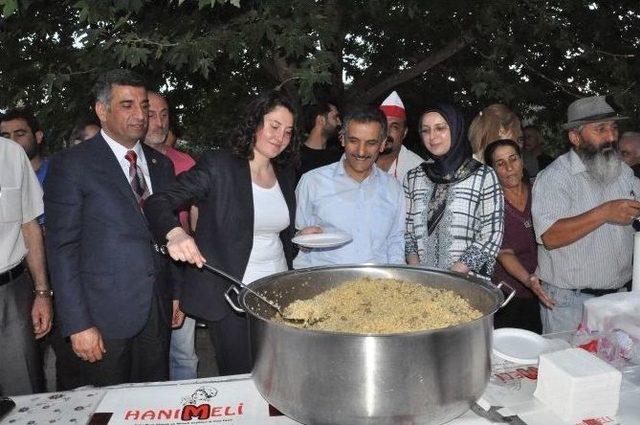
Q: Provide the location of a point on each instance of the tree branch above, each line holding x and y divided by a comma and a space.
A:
334, 11
140, 40
448, 50
615, 55
601, 52
278, 68
555, 83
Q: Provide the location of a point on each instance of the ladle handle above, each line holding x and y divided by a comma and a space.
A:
232, 303
238, 284
162, 249
226, 275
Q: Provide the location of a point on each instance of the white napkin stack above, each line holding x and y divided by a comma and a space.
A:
577, 385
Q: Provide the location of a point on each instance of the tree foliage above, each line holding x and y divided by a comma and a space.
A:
211, 56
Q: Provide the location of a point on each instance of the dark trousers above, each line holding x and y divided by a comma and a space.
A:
20, 365
521, 313
142, 358
230, 338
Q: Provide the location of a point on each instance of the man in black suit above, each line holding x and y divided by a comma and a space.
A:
113, 290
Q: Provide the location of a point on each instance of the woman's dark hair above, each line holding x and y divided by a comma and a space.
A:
491, 148
243, 139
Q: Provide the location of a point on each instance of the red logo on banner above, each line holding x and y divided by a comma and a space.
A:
206, 411
520, 373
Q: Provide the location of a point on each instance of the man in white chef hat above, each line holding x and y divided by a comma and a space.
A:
396, 159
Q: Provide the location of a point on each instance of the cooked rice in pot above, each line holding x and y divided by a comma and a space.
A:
381, 306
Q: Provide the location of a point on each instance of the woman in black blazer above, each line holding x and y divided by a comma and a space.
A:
246, 205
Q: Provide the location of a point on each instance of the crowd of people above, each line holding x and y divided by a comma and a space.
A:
87, 229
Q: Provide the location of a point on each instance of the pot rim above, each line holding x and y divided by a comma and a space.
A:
485, 284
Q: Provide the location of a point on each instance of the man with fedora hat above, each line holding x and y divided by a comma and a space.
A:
583, 207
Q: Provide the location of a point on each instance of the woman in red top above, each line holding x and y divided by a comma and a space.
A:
518, 256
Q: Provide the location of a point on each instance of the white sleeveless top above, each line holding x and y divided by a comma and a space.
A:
270, 217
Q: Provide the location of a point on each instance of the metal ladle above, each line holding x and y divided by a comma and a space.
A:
163, 250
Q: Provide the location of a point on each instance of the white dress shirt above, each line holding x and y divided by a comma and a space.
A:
120, 151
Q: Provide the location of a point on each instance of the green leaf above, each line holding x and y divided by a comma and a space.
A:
9, 7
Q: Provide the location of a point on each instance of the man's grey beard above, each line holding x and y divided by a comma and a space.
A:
156, 139
604, 166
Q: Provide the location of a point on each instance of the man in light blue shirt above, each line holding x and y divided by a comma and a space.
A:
354, 196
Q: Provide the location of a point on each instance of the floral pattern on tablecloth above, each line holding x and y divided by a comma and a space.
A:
73, 407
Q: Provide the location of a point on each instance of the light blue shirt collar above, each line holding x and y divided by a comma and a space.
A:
340, 171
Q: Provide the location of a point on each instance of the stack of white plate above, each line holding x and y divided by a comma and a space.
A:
577, 385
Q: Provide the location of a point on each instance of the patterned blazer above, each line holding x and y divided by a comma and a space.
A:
471, 228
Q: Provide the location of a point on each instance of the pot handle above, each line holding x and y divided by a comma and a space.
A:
227, 296
510, 296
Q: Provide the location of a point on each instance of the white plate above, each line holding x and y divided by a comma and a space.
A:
322, 240
518, 345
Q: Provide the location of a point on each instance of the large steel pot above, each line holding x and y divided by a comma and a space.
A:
316, 377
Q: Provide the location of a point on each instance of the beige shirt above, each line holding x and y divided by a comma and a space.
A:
20, 202
406, 161
599, 260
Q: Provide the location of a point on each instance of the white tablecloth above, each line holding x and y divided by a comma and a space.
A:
137, 400
510, 389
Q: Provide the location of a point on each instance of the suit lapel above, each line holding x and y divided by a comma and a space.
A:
111, 168
243, 192
151, 156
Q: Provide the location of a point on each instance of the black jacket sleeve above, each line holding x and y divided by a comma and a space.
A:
189, 188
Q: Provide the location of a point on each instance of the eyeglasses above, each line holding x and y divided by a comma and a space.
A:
438, 129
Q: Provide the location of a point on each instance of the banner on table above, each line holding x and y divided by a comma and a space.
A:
229, 402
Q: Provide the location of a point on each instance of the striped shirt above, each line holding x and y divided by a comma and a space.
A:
471, 228
601, 259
